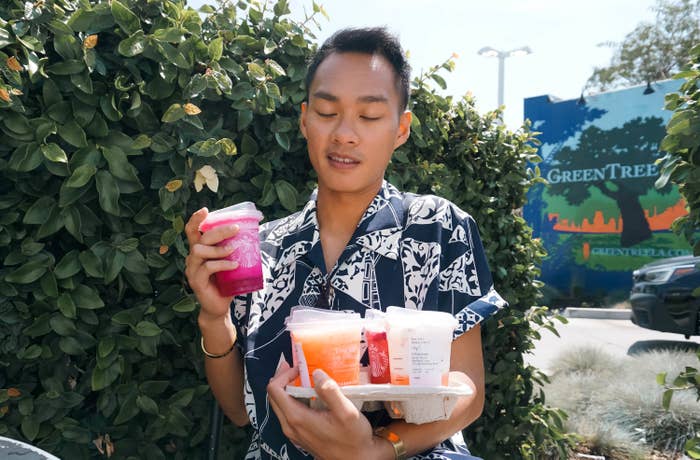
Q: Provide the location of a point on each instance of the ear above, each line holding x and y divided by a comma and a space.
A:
302, 119
404, 129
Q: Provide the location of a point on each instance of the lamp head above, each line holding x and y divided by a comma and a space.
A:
522, 51
488, 51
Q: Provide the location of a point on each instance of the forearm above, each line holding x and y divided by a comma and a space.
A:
225, 375
418, 438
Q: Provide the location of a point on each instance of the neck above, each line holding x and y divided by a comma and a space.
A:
339, 212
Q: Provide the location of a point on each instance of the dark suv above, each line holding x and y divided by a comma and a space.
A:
662, 296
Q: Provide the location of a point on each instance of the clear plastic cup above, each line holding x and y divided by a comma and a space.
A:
419, 346
329, 341
246, 243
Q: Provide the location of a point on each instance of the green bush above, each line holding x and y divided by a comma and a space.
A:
121, 118
681, 165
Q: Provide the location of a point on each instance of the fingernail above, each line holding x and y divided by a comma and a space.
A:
319, 376
235, 227
234, 264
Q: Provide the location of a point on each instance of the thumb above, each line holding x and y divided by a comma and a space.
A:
330, 393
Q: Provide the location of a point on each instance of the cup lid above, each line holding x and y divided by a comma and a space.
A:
236, 211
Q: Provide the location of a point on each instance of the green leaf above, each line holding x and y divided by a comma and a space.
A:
147, 329
67, 67
30, 427
27, 273
439, 80
105, 346
71, 346
216, 48
53, 152
68, 266
82, 81
275, 68
182, 398
245, 117
185, 305
81, 176
126, 19
66, 305
102, 378
72, 133
147, 405
127, 411
62, 326
108, 192
113, 264
50, 93
228, 146
283, 140
36, 214
287, 194
661, 378
666, 399
53, 222
26, 158
119, 164
174, 113
91, 263
133, 45
49, 285
86, 297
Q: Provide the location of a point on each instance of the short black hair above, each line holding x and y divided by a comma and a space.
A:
370, 40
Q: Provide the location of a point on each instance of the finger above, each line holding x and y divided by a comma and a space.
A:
205, 252
198, 275
192, 227
218, 234
329, 391
276, 388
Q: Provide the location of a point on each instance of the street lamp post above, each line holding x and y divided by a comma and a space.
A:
488, 51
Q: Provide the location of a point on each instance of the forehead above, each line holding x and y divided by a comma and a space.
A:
355, 75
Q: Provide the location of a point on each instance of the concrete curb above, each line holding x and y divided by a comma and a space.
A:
598, 313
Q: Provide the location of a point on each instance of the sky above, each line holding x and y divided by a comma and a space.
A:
563, 34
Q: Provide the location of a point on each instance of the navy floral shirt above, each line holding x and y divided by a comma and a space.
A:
418, 252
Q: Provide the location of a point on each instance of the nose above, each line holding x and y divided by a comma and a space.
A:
344, 132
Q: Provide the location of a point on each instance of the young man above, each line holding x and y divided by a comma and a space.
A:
358, 244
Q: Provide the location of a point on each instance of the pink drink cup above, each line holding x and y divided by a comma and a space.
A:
246, 243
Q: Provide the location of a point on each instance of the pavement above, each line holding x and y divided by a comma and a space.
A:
608, 329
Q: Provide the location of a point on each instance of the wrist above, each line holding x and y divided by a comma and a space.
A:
382, 449
208, 321
392, 445
218, 336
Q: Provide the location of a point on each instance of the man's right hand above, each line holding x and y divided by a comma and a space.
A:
204, 259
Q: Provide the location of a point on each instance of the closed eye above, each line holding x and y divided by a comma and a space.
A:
326, 115
369, 118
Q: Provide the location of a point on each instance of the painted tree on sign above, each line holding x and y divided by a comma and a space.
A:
627, 153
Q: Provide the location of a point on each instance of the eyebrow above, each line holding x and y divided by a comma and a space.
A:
366, 99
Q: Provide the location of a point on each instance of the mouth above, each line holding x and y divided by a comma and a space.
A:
342, 161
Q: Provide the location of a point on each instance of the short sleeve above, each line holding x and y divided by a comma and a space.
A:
465, 283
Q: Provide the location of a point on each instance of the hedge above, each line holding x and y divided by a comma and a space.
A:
121, 118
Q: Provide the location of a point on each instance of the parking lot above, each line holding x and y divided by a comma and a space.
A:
616, 336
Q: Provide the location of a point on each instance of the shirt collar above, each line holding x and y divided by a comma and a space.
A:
379, 229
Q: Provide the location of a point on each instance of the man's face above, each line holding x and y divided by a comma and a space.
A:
352, 122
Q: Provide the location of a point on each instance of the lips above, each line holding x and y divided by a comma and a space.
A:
342, 161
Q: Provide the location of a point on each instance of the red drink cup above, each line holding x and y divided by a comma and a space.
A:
378, 351
246, 243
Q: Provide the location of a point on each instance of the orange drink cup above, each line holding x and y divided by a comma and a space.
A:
333, 346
